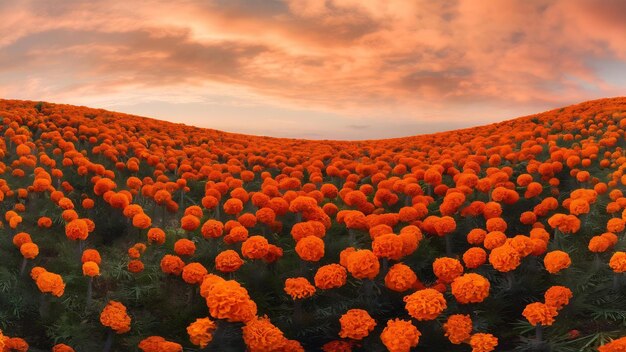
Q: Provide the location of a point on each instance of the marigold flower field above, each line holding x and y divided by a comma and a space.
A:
123, 233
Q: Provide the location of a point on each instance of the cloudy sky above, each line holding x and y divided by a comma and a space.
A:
336, 69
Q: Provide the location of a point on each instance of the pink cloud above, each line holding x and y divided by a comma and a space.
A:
394, 59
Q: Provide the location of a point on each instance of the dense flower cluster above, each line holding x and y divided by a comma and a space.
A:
293, 245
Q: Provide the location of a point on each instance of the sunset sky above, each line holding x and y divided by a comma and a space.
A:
327, 69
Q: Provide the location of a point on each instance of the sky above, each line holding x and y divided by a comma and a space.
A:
323, 69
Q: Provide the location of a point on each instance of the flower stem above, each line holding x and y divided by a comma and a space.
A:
109, 342
23, 268
538, 336
89, 293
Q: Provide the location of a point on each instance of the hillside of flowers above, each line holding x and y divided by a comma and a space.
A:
123, 233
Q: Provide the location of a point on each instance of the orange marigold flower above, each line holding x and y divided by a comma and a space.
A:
255, 247
540, 313
556, 261
16, 344
29, 250
135, 266
189, 222
400, 335
115, 317
494, 239
470, 288
618, 345
228, 300
61, 347
458, 328
474, 257
504, 258
156, 235
274, 253
152, 344
330, 276
171, 264
400, 278
233, 206
91, 255
228, 261
236, 234
193, 273
618, 262
447, 269
356, 324
337, 346
260, 335
44, 222
522, 244
411, 237
310, 248
579, 206
201, 331
598, 244
388, 246
77, 230
91, 269
48, 282
21, 238
299, 288
425, 304
483, 342
184, 247
212, 229
142, 221
208, 282
363, 264
558, 296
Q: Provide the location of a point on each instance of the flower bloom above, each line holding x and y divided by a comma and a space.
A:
400, 278
193, 273
114, 316
618, 262
201, 332
48, 282
330, 276
171, 264
540, 313
400, 335
447, 269
483, 342
425, 304
159, 344
29, 250
77, 230
458, 328
470, 288
558, 296
299, 288
310, 248
556, 261
260, 335
229, 300
504, 258
474, 257
614, 346
255, 247
91, 269
61, 347
228, 261
356, 324
363, 264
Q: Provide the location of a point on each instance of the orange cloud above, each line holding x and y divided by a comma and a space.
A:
395, 60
